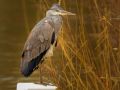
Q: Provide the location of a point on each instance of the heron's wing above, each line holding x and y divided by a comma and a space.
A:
38, 42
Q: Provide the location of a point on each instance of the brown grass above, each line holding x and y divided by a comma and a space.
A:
87, 57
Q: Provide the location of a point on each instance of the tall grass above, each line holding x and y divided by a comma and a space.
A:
87, 56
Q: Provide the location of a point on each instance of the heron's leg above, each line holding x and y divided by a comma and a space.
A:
40, 75
40, 69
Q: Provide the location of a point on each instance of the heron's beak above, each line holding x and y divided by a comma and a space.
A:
63, 12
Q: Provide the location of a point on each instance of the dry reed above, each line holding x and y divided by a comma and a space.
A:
87, 57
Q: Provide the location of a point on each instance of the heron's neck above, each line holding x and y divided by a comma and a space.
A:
57, 23
56, 19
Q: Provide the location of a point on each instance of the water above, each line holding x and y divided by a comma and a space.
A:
12, 38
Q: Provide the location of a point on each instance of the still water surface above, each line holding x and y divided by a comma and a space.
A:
12, 38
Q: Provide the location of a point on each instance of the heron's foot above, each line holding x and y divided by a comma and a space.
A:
45, 83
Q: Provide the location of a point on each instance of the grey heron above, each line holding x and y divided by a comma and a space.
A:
42, 39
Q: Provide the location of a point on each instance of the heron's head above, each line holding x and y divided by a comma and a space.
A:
57, 10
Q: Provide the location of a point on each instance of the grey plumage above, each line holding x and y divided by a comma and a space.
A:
41, 39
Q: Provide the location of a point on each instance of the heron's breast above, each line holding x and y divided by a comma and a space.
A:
49, 52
